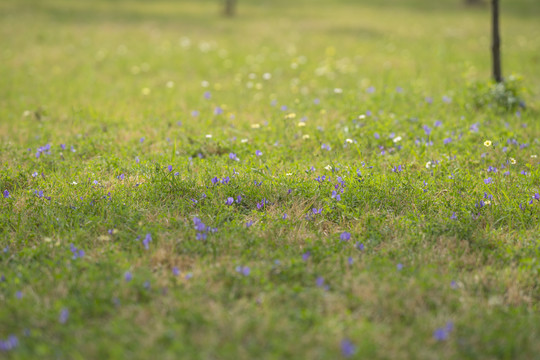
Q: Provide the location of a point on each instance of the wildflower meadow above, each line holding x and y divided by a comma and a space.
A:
309, 179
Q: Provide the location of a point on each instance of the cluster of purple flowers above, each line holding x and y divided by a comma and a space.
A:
9, 344
217, 181
43, 150
326, 147
77, 253
441, 334
244, 270
336, 196
146, 241
262, 204
202, 229
322, 178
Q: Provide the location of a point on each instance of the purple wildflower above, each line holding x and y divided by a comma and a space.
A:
244, 270
128, 276
229, 201
336, 196
64, 315
399, 267
6, 194
175, 271
347, 348
441, 334
345, 236
9, 344
258, 153
488, 180
147, 240
306, 255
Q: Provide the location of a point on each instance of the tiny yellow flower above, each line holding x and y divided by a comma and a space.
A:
145, 91
301, 123
255, 126
487, 143
305, 137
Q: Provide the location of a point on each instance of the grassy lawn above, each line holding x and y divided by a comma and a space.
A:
309, 180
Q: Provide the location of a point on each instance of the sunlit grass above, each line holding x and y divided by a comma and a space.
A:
176, 184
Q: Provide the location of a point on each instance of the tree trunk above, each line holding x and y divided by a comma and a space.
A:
230, 8
496, 41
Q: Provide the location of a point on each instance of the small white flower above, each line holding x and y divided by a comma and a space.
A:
208, 136
170, 84
428, 164
243, 141
288, 174
74, 183
301, 124
255, 126
397, 139
350, 141
338, 90
328, 167
361, 116
305, 137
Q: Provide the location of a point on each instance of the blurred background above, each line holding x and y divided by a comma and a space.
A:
113, 55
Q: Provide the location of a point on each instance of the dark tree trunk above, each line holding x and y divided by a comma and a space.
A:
230, 8
496, 41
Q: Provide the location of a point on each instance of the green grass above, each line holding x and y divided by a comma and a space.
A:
360, 78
